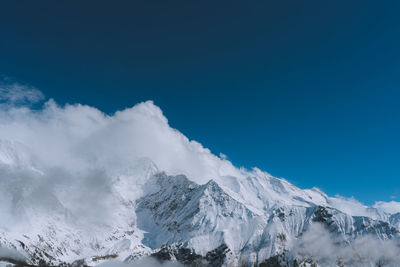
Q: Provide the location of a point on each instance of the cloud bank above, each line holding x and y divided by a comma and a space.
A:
81, 137
67, 157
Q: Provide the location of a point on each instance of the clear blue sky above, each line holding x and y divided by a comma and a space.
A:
306, 90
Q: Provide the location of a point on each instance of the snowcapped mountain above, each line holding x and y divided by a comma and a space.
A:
249, 221
95, 198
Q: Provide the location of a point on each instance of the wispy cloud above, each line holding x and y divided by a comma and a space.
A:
16, 93
319, 244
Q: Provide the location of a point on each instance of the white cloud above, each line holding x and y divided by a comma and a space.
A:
73, 153
350, 206
80, 137
389, 207
320, 245
16, 93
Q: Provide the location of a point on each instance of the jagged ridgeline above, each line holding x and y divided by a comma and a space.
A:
128, 189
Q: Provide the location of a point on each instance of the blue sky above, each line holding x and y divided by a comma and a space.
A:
308, 91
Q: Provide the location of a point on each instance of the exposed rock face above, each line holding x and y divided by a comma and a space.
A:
188, 257
182, 211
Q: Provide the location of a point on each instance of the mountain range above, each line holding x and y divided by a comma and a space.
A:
97, 205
